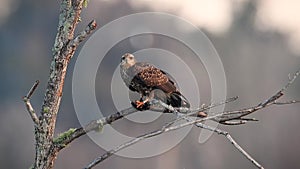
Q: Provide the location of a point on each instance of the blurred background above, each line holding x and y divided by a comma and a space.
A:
258, 43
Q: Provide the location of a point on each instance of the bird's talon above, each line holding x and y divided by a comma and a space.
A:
139, 104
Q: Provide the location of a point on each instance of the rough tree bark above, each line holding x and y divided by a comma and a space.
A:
64, 47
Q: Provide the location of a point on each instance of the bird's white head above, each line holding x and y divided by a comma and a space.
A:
127, 60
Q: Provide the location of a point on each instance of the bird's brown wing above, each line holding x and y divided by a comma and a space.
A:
154, 77
147, 78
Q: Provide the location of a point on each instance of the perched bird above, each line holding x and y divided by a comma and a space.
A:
146, 79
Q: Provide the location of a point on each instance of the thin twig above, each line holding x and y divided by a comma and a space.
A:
122, 146
212, 105
93, 125
190, 112
228, 136
28, 105
291, 80
164, 129
156, 105
238, 121
82, 35
237, 115
33, 88
231, 140
287, 102
98, 124
224, 133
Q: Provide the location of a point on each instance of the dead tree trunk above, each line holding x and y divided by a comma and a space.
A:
63, 50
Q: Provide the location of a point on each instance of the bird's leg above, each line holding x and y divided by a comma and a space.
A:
141, 97
140, 103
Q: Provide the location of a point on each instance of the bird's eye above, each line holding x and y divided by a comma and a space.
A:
130, 57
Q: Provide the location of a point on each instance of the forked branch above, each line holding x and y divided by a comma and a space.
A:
63, 50
28, 105
223, 118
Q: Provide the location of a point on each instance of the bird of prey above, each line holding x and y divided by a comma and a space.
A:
145, 79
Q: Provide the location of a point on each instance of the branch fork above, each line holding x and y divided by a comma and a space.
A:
28, 105
227, 118
64, 48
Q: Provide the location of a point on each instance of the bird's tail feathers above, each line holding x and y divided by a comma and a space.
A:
178, 100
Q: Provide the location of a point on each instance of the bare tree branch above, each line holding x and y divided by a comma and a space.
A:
237, 115
232, 141
228, 136
82, 35
68, 19
32, 89
67, 137
225, 118
221, 132
28, 105
287, 102
164, 129
63, 49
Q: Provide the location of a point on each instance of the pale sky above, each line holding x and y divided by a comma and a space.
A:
282, 16
214, 15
